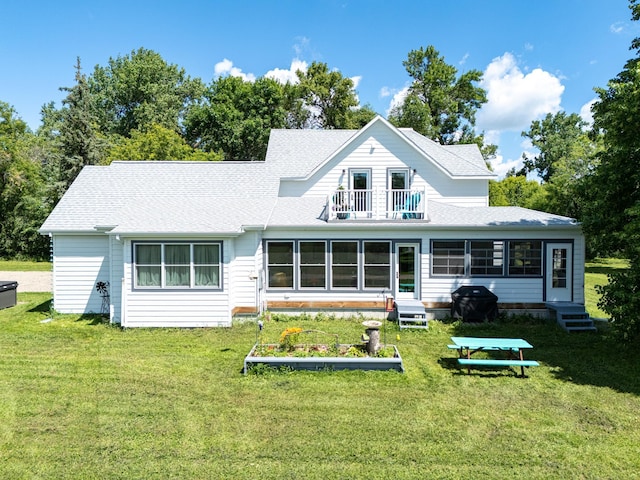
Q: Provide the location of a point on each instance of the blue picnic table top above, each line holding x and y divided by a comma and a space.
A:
478, 343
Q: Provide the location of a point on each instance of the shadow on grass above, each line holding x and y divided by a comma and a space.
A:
93, 319
604, 270
585, 358
44, 307
451, 364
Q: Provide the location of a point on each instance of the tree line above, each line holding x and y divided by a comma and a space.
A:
139, 107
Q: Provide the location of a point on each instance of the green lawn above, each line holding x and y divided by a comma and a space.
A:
596, 273
81, 399
24, 266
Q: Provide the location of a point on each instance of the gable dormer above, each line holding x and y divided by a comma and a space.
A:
377, 172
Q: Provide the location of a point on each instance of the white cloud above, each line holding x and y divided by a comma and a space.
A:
386, 92
501, 165
585, 111
225, 67
398, 96
617, 27
288, 76
516, 99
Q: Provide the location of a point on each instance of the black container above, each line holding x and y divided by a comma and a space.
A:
8, 294
474, 304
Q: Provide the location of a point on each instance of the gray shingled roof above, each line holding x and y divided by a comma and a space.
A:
443, 214
295, 153
165, 197
458, 162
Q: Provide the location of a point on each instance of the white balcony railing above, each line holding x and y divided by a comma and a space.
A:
376, 204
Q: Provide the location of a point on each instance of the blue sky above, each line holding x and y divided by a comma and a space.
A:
537, 57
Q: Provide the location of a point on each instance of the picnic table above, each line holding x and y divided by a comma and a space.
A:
513, 347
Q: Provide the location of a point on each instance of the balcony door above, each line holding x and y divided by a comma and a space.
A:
398, 185
360, 186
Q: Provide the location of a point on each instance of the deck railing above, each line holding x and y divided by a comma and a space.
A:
376, 204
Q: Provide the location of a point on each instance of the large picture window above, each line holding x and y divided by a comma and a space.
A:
177, 265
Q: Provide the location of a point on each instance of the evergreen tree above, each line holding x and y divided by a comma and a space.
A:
79, 140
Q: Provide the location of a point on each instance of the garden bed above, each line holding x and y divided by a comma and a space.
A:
318, 357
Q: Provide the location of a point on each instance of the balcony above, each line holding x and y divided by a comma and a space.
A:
377, 204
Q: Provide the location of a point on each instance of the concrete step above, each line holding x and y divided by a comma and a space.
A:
572, 317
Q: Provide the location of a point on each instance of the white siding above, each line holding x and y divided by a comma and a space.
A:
79, 262
117, 277
176, 308
244, 264
579, 258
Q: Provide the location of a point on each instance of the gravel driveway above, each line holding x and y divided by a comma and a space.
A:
29, 281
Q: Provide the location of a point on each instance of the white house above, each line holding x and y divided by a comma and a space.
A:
332, 220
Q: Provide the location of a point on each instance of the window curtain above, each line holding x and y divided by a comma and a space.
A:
148, 259
206, 261
177, 260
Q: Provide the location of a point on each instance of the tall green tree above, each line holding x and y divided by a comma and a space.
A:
567, 153
614, 208
23, 193
139, 90
236, 117
615, 184
440, 104
559, 137
327, 98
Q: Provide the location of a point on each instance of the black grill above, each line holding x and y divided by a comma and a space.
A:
474, 304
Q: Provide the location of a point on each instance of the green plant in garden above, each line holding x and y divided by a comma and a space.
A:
289, 338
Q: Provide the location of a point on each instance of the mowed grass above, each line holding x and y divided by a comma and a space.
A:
24, 266
82, 399
596, 274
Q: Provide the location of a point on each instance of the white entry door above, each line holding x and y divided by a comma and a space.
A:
559, 272
407, 271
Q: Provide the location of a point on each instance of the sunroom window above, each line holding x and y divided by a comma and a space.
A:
487, 257
344, 264
448, 257
313, 265
525, 258
377, 265
280, 264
